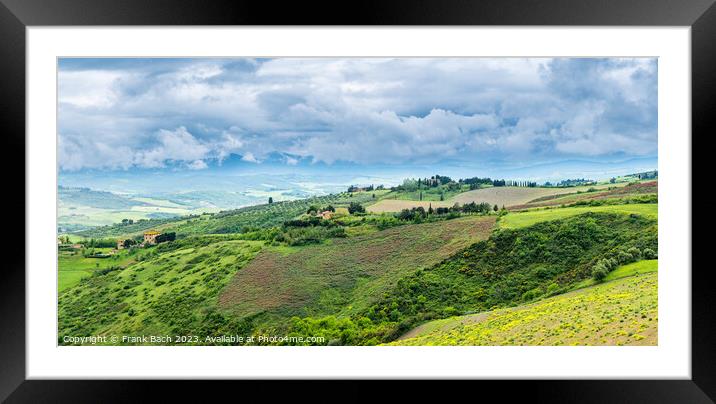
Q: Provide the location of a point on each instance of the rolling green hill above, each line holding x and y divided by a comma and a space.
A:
511, 267
170, 292
619, 312
516, 220
355, 279
74, 267
345, 275
180, 287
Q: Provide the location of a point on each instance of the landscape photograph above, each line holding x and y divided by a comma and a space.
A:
357, 201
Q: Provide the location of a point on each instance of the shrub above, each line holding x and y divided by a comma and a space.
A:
635, 253
451, 311
552, 289
532, 294
599, 272
624, 257
649, 254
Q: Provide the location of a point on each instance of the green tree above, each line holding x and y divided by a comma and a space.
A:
270, 200
355, 207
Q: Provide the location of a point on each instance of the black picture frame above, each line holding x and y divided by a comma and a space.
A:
16, 15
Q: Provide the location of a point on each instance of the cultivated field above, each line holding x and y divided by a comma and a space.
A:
510, 196
395, 205
632, 190
620, 312
500, 196
345, 275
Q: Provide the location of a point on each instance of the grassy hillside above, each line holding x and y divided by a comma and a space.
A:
74, 267
511, 267
345, 275
170, 292
515, 220
355, 279
620, 312
635, 268
213, 284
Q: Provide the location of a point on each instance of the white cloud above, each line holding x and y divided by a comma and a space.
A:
197, 165
88, 88
176, 145
248, 156
365, 111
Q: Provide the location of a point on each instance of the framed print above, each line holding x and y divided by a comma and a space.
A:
482, 193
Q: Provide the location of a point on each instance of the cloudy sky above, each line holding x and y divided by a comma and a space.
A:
199, 114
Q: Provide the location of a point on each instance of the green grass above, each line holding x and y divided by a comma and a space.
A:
514, 220
620, 312
635, 268
73, 267
639, 267
171, 292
